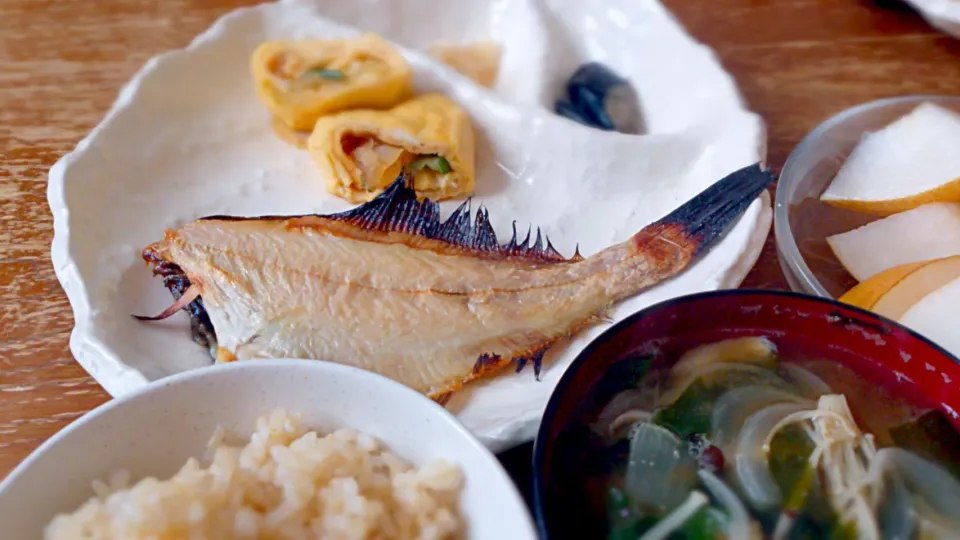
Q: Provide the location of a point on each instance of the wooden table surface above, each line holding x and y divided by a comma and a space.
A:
63, 61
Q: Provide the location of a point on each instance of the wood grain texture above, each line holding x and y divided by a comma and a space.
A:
63, 62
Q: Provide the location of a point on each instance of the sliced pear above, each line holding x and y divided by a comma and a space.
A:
911, 162
866, 294
931, 231
892, 292
916, 286
933, 316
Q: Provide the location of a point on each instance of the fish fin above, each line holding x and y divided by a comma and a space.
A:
486, 362
553, 251
185, 299
704, 218
175, 281
537, 365
537, 360
397, 209
603, 317
521, 363
576, 254
442, 397
485, 365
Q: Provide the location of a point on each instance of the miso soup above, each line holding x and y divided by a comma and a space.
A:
733, 441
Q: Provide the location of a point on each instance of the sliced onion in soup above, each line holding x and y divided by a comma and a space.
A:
937, 489
898, 519
811, 384
614, 420
734, 406
660, 472
738, 525
937, 528
747, 350
727, 374
757, 352
750, 465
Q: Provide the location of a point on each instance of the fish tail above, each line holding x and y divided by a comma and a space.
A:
701, 220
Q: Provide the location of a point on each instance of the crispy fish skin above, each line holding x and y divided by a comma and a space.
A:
389, 288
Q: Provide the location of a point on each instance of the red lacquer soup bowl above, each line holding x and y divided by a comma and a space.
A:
878, 351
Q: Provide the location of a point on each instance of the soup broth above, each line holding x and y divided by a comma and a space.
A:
737, 440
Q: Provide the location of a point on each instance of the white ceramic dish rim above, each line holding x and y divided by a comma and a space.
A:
82, 339
792, 263
941, 14
370, 379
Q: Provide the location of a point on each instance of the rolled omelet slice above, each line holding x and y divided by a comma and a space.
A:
478, 61
361, 152
293, 137
301, 80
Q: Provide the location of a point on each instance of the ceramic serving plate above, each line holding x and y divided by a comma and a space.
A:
943, 15
187, 138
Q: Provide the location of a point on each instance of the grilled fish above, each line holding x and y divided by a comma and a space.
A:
389, 287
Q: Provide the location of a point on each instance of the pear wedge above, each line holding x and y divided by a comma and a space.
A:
933, 317
911, 162
931, 231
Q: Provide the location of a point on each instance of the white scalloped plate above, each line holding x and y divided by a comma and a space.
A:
943, 15
186, 138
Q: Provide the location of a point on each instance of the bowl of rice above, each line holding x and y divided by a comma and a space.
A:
266, 449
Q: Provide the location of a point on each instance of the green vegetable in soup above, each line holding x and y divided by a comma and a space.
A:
799, 465
843, 531
623, 522
804, 503
624, 375
693, 410
807, 528
627, 374
626, 530
789, 461
709, 523
933, 437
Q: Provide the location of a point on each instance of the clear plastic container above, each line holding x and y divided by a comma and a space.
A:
801, 221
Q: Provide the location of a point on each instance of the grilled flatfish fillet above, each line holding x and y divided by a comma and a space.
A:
390, 288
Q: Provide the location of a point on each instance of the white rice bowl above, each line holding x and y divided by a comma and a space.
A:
286, 482
336, 453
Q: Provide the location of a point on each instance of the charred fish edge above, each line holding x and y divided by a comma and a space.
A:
696, 224
177, 282
397, 209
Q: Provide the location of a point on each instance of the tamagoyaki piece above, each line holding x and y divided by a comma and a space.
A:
301, 80
361, 152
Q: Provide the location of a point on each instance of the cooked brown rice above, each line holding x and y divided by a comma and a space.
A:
286, 483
